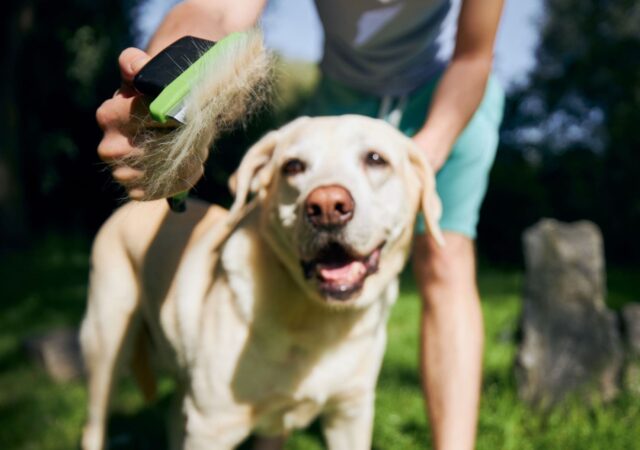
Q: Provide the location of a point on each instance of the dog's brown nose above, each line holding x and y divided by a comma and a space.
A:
329, 206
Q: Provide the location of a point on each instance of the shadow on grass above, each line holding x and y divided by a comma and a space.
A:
147, 429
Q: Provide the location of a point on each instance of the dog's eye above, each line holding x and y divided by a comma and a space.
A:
374, 159
293, 167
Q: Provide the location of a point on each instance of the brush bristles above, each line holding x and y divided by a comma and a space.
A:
232, 87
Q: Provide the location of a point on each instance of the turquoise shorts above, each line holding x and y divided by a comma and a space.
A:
462, 181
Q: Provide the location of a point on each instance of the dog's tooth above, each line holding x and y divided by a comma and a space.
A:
357, 270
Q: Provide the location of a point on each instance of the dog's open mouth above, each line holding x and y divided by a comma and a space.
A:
339, 271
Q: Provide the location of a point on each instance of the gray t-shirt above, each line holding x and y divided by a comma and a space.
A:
384, 47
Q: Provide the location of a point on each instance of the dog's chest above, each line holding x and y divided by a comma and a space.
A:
260, 353
295, 356
288, 385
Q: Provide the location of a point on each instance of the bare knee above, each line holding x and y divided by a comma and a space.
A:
443, 270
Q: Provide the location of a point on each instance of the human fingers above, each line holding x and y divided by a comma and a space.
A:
116, 147
126, 111
131, 60
133, 182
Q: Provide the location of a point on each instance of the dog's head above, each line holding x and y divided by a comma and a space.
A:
339, 196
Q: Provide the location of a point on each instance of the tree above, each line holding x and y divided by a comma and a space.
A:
16, 22
576, 119
59, 63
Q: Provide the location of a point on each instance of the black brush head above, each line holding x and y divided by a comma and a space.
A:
167, 65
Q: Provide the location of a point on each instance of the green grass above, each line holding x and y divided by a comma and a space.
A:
45, 287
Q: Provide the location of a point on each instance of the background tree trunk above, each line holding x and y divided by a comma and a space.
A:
13, 224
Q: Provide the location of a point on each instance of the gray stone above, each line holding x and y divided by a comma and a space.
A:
58, 352
631, 377
570, 340
631, 326
630, 316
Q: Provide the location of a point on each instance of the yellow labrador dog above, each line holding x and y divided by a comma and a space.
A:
274, 312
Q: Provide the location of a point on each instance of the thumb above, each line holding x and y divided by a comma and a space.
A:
131, 60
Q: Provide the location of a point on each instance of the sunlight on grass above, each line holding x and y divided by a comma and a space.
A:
45, 287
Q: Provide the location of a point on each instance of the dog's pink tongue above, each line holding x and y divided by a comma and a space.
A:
348, 273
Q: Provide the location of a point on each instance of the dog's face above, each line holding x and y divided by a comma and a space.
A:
339, 198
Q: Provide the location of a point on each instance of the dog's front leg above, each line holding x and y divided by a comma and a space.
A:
212, 425
106, 332
348, 423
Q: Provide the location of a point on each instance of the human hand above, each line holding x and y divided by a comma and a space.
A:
121, 119
436, 152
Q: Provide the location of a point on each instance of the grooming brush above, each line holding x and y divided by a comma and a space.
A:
200, 87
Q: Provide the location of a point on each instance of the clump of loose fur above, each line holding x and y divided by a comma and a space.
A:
229, 90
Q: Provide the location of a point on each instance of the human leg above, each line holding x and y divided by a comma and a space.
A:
451, 337
451, 321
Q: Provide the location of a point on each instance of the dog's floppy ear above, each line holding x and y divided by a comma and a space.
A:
254, 173
429, 201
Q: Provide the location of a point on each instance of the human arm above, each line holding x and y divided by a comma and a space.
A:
209, 19
462, 85
451, 325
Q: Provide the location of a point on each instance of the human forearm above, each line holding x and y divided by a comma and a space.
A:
457, 97
208, 19
462, 86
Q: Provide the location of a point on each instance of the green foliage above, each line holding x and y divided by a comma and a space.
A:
575, 125
88, 50
46, 286
65, 66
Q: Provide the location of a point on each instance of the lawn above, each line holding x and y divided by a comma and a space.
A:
45, 286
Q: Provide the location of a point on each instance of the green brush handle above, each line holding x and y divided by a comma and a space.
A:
173, 96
